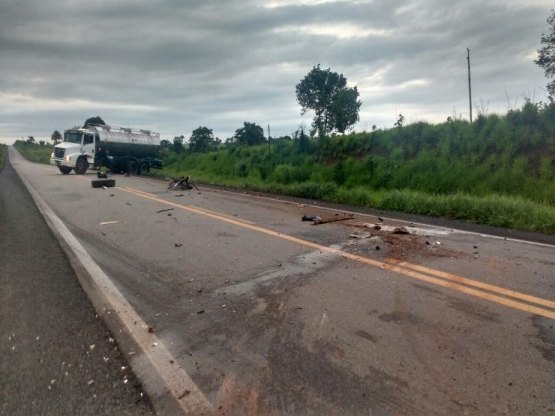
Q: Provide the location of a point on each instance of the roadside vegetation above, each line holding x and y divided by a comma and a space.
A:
35, 152
3, 152
499, 170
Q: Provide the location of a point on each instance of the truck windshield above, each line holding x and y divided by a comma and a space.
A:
72, 137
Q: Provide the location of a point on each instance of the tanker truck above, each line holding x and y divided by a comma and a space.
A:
122, 150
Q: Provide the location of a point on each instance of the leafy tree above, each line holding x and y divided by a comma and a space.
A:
178, 144
202, 140
30, 140
336, 107
250, 134
42, 143
94, 121
165, 144
56, 137
400, 121
546, 55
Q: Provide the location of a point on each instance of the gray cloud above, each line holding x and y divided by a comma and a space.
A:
171, 66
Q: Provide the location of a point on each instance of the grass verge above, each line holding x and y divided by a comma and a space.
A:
34, 152
3, 151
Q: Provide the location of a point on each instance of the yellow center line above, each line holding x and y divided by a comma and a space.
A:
447, 280
474, 283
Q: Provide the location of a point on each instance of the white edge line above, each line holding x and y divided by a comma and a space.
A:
154, 363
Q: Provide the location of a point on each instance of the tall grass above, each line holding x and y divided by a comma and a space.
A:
3, 151
34, 152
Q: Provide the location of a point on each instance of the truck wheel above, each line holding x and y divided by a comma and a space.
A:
99, 183
81, 166
132, 167
145, 167
64, 169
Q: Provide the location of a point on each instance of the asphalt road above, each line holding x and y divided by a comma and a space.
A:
271, 315
56, 356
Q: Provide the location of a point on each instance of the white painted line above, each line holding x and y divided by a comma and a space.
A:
157, 369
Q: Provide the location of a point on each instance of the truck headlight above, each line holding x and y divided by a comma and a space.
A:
67, 158
52, 155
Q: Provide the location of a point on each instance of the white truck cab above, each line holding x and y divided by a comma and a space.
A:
76, 152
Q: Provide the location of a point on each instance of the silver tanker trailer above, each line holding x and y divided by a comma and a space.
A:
122, 150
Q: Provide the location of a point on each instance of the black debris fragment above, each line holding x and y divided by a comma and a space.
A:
164, 210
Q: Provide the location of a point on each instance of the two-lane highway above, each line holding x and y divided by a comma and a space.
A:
266, 314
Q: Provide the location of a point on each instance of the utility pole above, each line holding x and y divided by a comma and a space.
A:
269, 144
469, 85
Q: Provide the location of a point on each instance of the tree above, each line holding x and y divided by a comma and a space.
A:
30, 140
336, 107
165, 144
178, 144
202, 140
250, 134
56, 137
94, 121
400, 121
546, 55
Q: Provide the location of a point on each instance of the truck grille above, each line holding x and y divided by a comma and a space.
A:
59, 153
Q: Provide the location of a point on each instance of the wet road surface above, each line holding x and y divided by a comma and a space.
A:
271, 315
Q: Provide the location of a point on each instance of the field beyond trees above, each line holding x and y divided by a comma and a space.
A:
499, 170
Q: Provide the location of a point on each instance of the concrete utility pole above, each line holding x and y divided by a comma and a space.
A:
469, 85
269, 144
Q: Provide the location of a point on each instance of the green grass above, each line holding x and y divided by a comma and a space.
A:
34, 152
499, 170
3, 151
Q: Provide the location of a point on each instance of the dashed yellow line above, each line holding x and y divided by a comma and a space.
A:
510, 298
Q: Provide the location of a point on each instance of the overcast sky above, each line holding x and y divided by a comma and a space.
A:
173, 65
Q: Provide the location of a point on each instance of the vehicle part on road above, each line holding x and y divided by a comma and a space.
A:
310, 218
103, 183
102, 175
64, 169
81, 166
181, 184
336, 218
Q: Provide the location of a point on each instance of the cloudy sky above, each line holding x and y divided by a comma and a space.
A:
173, 65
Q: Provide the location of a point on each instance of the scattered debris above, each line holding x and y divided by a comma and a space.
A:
380, 219
103, 183
181, 184
90, 382
182, 395
200, 312
310, 218
360, 236
109, 222
128, 203
378, 248
377, 227
164, 210
335, 218
400, 230
150, 329
177, 245
101, 175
